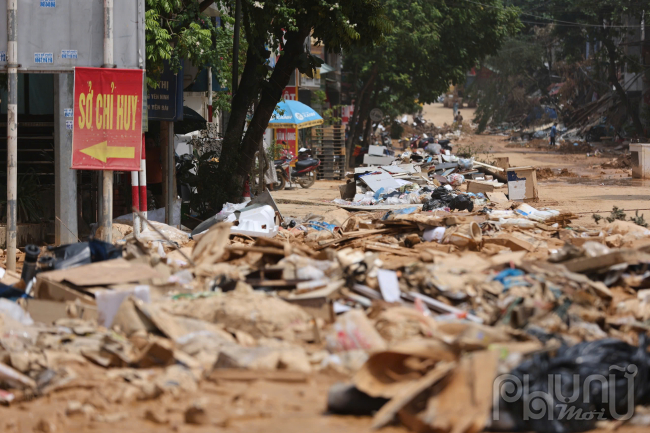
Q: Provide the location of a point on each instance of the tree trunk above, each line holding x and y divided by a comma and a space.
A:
237, 159
357, 115
353, 129
230, 151
364, 112
620, 91
368, 129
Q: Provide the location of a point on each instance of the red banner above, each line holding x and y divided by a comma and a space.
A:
107, 119
290, 93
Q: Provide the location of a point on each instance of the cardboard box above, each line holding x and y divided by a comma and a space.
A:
522, 184
477, 187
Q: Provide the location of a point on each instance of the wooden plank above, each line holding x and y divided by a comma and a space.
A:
480, 164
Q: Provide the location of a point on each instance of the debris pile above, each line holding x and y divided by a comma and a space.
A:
423, 310
425, 178
621, 162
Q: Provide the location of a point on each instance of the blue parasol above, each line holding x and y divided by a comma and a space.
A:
294, 115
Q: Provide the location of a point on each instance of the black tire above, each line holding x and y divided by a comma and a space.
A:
307, 181
281, 183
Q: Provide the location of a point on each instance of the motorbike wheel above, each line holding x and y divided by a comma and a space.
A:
281, 183
307, 181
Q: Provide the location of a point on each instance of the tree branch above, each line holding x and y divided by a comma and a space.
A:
205, 4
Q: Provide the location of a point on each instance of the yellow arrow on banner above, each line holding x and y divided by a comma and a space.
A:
102, 151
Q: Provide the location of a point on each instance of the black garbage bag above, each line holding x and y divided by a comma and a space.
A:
433, 205
441, 193
462, 202
83, 253
442, 197
577, 387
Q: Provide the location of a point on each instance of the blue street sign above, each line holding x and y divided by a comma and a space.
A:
166, 101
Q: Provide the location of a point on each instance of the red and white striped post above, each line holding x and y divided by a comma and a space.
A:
135, 201
143, 185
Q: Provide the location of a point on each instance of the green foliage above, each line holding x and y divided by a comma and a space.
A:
433, 43
281, 28
177, 30
275, 150
620, 215
639, 220
617, 214
328, 114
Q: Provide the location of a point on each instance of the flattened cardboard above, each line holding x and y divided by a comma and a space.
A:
118, 271
497, 197
471, 383
44, 311
510, 241
56, 291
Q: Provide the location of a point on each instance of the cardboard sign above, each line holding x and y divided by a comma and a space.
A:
107, 119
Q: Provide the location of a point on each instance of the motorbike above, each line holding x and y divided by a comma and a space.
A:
303, 173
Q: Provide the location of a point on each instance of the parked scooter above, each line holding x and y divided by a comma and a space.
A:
304, 172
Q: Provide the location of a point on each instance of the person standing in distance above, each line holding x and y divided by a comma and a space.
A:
552, 134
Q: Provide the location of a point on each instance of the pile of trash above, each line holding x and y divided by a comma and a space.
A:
426, 177
423, 311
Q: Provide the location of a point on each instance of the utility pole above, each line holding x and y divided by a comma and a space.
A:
171, 171
106, 217
12, 133
210, 94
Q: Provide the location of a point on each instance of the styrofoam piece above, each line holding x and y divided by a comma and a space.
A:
377, 160
258, 222
377, 150
109, 301
389, 285
434, 234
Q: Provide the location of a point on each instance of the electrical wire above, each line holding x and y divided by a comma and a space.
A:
559, 22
